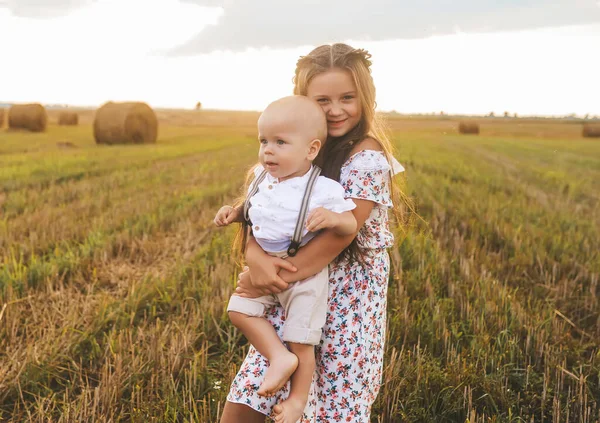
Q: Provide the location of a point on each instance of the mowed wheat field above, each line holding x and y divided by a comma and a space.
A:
114, 281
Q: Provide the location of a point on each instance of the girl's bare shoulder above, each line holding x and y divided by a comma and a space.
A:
366, 144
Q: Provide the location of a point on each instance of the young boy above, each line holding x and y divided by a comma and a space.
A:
291, 132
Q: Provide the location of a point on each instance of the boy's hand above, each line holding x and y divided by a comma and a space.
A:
321, 218
225, 216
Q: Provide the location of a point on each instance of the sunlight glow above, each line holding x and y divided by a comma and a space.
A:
113, 50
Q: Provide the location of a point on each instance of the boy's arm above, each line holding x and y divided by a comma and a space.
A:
346, 224
228, 214
238, 214
341, 223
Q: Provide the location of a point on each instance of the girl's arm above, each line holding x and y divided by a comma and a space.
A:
325, 247
271, 274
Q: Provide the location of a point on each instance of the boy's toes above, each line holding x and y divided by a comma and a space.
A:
278, 415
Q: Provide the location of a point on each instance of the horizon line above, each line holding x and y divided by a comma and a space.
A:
441, 114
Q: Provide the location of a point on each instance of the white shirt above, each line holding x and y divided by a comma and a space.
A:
275, 207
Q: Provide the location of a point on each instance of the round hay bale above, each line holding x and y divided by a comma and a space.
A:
1, 117
68, 118
125, 123
466, 127
591, 130
32, 117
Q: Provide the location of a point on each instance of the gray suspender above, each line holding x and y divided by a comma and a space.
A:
297, 237
253, 191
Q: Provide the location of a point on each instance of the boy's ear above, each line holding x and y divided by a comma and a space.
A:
313, 149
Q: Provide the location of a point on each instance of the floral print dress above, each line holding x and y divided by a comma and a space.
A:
350, 355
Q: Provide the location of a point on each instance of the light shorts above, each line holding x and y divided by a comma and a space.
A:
305, 304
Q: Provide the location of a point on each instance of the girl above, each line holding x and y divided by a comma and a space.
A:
359, 156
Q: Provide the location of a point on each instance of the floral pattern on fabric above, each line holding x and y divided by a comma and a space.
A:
350, 354
366, 176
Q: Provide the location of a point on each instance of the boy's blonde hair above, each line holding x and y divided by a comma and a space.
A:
303, 112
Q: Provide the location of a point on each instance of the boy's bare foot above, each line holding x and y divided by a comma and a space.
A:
279, 372
289, 411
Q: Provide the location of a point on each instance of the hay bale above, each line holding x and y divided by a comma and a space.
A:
68, 118
1, 117
125, 123
591, 130
32, 117
466, 127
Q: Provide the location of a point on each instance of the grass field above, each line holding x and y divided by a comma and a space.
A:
114, 282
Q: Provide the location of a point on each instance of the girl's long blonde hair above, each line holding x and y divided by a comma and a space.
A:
337, 150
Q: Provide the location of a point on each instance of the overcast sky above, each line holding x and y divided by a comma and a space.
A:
460, 56
277, 23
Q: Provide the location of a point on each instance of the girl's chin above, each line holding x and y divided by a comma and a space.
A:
337, 132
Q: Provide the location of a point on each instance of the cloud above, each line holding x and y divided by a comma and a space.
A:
42, 8
290, 23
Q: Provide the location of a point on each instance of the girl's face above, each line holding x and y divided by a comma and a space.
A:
336, 92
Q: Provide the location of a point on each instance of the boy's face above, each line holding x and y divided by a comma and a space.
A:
286, 148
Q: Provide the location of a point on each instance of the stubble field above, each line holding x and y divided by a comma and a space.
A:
114, 282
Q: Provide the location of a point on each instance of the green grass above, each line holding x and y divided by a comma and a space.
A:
114, 282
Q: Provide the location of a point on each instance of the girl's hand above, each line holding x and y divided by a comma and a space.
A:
244, 286
264, 270
225, 216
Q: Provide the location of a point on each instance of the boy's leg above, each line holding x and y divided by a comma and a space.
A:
261, 334
306, 307
290, 410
